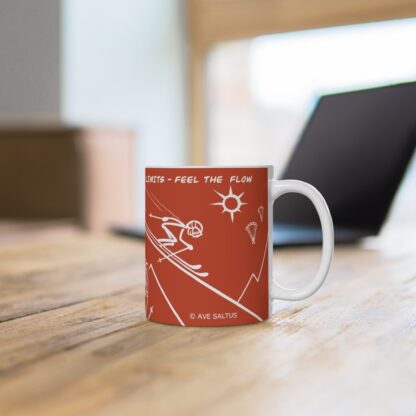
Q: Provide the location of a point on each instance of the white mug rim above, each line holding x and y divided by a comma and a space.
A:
211, 167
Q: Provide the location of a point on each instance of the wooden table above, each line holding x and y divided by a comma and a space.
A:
74, 339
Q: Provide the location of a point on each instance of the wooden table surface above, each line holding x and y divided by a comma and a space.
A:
74, 339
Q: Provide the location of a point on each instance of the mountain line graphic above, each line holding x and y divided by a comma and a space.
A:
253, 276
151, 268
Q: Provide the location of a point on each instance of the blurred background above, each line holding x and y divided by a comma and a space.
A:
93, 91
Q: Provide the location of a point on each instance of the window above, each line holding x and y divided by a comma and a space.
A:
261, 91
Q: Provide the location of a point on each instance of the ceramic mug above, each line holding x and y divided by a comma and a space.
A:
209, 244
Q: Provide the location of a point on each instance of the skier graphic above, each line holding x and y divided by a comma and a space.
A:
176, 232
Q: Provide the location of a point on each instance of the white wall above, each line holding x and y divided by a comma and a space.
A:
29, 59
123, 64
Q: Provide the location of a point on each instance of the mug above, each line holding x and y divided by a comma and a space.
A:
208, 244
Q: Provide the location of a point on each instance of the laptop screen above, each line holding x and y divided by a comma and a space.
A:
354, 149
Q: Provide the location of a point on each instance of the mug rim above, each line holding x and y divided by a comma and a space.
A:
211, 167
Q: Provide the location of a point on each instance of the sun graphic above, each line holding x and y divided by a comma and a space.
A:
230, 203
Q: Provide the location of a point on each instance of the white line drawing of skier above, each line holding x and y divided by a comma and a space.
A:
192, 228
189, 270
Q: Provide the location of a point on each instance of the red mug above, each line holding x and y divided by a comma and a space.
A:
208, 244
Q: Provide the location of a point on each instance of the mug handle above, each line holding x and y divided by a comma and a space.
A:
279, 188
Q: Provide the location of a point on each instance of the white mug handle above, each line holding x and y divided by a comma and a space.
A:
279, 188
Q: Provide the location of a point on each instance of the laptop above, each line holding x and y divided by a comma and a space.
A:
354, 149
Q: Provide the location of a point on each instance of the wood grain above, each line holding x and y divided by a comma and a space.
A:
74, 339
27, 271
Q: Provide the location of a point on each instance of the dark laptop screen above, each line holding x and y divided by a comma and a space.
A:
354, 149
